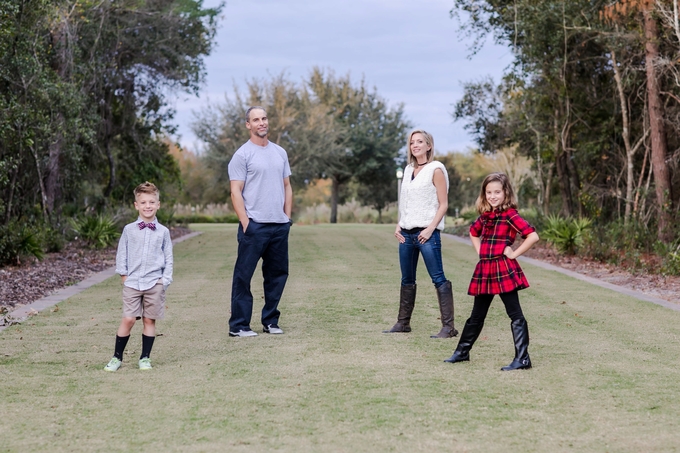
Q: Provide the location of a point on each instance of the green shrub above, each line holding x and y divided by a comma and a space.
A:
534, 217
469, 214
565, 233
166, 217
619, 243
671, 258
18, 240
53, 240
98, 231
202, 218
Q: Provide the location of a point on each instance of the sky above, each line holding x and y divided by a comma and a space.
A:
411, 51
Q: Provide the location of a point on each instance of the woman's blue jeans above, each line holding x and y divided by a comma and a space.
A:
432, 255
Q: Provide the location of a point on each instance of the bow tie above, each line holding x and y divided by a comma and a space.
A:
142, 225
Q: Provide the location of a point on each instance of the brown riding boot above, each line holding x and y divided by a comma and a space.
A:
445, 297
407, 301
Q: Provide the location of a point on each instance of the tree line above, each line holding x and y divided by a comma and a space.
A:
331, 126
592, 96
84, 88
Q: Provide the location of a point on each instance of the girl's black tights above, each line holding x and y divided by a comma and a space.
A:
483, 302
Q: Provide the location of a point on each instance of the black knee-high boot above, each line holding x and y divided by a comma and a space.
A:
467, 339
520, 333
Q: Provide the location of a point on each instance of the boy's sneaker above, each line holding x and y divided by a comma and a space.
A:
242, 333
145, 364
113, 364
273, 329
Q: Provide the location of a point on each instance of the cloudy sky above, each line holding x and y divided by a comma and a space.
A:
410, 50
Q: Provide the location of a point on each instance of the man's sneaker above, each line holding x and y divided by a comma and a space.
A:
242, 333
113, 364
145, 364
273, 329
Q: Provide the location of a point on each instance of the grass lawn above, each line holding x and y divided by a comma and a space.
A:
605, 377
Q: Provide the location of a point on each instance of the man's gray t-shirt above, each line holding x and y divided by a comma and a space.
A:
263, 169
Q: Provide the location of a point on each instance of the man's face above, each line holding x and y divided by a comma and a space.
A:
258, 124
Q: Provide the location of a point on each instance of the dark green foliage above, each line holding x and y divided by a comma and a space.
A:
84, 89
17, 240
53, 240
671, 255
166, 216
198, 218
99, 231
565, 233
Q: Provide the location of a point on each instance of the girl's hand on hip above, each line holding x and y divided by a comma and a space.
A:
398, 235
424, 235
509, 252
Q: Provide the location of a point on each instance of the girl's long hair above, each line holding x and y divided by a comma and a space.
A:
510, 200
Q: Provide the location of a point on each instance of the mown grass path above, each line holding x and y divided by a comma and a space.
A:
605, 377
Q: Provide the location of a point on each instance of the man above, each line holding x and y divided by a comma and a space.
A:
263, 198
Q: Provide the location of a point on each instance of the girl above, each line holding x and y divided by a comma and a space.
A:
422, 205
497, 271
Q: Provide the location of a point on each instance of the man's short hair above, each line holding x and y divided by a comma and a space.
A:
255, 107
147, 187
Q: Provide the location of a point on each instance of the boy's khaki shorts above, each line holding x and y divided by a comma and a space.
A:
148, 304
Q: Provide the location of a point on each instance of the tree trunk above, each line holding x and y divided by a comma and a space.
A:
335, 187
112, 168
626, 140
60, 64
662, 178
575, 182
10, 198
638, 190
41, 185
548, 186
52, 176
562, 170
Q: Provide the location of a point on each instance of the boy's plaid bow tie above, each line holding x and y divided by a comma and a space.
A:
142, 225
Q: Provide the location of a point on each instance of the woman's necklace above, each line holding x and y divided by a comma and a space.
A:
420, 165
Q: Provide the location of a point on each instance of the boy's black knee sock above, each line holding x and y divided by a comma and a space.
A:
147, 344
121, 342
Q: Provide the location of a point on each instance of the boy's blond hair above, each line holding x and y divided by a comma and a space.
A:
147, 187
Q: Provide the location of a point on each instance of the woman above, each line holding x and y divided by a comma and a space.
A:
422, 207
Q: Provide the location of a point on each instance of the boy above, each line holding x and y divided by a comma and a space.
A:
144, 262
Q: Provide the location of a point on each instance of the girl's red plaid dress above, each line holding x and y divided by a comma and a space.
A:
495, 273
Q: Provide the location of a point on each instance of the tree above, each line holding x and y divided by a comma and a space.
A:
576, 62
133, 53
38, 108
329, 127
372, 135
83, 89
655, 107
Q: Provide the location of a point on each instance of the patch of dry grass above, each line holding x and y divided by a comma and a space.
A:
605, 376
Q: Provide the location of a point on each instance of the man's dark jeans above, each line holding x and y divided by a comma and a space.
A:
268, 241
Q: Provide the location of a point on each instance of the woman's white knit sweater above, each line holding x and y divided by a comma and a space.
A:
418, 201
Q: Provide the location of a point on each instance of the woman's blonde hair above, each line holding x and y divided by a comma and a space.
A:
510, 200
428, 140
